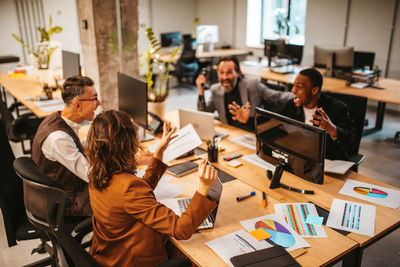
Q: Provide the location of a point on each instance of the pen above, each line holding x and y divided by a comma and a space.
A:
239, 198
233, 156
264, 200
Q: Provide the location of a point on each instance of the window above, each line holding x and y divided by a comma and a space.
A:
272, 19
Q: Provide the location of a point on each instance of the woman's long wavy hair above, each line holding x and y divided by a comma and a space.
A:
111, 145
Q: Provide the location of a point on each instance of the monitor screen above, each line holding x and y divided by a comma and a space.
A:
70, 64
301, 147
274, 48
207, 34
171, 39
132, 95
364, 59
341, 57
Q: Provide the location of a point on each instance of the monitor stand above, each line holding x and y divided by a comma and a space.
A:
276, 180
144, 135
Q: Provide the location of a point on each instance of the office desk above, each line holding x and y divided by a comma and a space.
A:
26, 86
324, 194
323, 251
390, 93
165, 55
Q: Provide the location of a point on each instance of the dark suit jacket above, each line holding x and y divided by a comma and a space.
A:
250, 90
130, 227
340, 116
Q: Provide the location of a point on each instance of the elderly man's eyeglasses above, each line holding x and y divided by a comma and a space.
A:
89, 99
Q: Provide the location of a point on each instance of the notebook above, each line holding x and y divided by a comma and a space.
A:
203, 123
179, 205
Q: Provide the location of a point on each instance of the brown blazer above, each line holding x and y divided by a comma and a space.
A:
130, 227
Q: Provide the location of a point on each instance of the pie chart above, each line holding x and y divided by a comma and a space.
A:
370, 192
279, 234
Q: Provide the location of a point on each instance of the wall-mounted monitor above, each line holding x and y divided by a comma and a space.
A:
298, 146
207, 34
70, 64
171, 39
132, 96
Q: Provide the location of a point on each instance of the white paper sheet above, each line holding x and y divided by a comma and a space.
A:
352, 217
295, 214
385, 196
187, 140
256, 160
236, 243
164, 189
50, 105
283, 234
245, 140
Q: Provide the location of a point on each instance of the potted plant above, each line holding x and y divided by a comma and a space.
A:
44, 49
283, 23
157, 74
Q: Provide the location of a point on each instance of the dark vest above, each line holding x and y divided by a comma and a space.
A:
74, 186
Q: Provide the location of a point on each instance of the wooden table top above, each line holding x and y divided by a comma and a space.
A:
22, 87
390, 93
230, 212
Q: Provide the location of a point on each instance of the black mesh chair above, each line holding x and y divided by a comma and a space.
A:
16, 223
20, 129
44, 200
357, 106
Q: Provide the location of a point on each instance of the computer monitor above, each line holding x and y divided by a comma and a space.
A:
207, 34
340, 58
70, 64
171, 39
297, 147
132, 96
274, 48
364, 59
294, 52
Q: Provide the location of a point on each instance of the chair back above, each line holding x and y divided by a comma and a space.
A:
12, 207
7, 118
44, 202
357, 106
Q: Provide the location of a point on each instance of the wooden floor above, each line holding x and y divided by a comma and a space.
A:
381, 162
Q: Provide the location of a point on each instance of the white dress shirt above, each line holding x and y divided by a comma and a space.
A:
59, 146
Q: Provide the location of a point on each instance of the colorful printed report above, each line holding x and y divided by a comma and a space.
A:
352, 217
281, 233
296, 214
376, 194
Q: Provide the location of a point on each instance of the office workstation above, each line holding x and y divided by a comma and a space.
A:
122, 85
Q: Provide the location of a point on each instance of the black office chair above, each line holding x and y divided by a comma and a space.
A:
357, 106
44, 200
16, 223
20, 129
187, 66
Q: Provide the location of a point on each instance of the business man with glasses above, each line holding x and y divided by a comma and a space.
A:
57, 149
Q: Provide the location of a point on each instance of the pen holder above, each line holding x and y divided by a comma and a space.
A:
212, 154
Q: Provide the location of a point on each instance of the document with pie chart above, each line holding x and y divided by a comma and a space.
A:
281, 233
373, 193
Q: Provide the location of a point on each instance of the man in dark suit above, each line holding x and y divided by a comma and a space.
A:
312, 106
233, 89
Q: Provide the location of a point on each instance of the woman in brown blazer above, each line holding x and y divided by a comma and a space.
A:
130, 228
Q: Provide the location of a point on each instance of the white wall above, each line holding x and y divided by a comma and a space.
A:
9, 25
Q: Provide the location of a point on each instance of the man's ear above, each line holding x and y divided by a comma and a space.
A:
315, 90
77, 106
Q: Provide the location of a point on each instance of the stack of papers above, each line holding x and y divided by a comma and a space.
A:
245, 140
50, 105
337, 166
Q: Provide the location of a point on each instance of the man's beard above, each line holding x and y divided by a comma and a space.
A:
229, 89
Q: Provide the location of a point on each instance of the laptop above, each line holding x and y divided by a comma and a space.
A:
203, 123
179, 205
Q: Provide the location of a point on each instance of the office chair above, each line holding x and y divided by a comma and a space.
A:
44, 200
17, 226
187, 66
20, 129
357, 106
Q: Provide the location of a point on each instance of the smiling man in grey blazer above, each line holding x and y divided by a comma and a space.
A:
233, 89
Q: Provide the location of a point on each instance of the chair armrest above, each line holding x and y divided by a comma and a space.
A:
81, 230
357, 159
